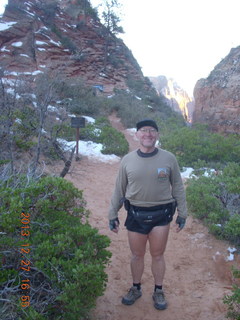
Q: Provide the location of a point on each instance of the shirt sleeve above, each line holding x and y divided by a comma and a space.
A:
178, 190
118, 193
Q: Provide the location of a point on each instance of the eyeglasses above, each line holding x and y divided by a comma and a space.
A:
148, 130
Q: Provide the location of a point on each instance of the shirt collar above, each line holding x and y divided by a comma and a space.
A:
147, 155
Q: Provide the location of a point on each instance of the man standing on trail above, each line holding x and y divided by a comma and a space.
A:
149, 185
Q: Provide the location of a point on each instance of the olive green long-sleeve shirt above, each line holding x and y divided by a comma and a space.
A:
148, 181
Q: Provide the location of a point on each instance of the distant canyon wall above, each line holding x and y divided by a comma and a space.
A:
176, 97
217, 98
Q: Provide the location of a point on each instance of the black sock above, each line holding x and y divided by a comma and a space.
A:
138, 285
157, 287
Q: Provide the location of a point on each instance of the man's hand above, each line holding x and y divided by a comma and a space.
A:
180, 223
114, 225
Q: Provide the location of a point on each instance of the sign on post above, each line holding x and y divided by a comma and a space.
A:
77, 122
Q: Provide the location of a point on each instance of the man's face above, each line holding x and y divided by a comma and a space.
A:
147, 137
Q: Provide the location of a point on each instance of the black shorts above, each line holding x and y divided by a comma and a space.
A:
132, 224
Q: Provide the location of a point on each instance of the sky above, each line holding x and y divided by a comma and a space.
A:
181, 39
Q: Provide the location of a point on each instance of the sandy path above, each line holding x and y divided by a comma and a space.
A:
197, 275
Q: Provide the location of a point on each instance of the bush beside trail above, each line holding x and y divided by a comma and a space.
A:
102, 132
63, 256
216, 201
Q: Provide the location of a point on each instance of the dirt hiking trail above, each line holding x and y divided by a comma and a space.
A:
197, 274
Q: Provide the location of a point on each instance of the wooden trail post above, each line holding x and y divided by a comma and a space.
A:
77, 122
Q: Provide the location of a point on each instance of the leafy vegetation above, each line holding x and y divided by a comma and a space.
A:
233, 300
49, 252
197, 145
112, 140
216, 201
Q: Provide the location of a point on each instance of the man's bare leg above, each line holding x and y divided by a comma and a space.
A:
137, 243
158, 240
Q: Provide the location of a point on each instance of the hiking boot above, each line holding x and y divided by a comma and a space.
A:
159, 300
132, 295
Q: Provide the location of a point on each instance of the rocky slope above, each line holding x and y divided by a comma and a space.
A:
67, 38
217, 98
176, 97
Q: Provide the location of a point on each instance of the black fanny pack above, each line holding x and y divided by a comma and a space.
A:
152, 215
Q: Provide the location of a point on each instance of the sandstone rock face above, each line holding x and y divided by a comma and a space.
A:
176, 97
36, 37
217, 98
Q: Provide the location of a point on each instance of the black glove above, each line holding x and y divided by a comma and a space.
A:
181, 222
113, 223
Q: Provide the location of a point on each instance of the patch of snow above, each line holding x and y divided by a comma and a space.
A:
13, 73
52, 108
30, 95
231, 254
56, 43
209, 172
9, 82
17, 44
6, 25
24, 55
41, 49
36, 72
41, 29
41, 43
138, 98
5, 50
19, 121
132, 132
12, 92
187, 173
30, 13
89, 119
90, 149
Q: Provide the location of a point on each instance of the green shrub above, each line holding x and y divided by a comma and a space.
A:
113, 141
233, 301
67, 256
64, 131
195, 144
24, 145
232, 227
215, 200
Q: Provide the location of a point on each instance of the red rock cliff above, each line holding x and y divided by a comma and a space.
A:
67, 37
217, 98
